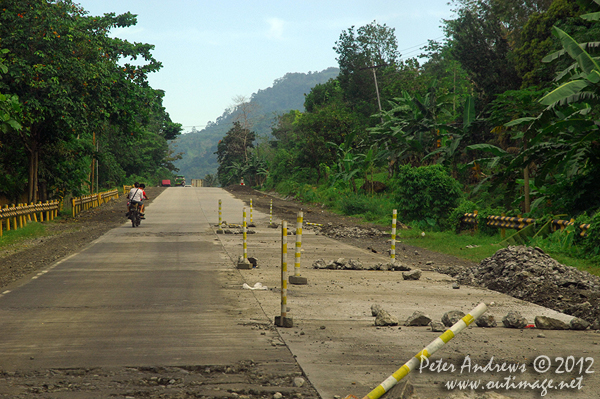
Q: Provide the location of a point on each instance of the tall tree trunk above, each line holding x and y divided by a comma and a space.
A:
526, 182
32, 186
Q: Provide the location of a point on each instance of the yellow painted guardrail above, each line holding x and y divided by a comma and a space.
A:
80, 204
16, 217
518, 223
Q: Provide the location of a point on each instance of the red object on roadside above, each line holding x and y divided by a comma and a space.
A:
530, 326
166, 183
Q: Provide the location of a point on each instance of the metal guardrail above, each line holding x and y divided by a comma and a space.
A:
80, 204
15, 217
519, 223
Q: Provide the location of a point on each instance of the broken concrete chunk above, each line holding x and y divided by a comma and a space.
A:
437, 326
418, 319
514, 320
486, 320
578, 324
385, 319
452, 317
412, 275
375, 309
397, 266
549, 323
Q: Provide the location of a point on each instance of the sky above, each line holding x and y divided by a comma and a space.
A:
213, 51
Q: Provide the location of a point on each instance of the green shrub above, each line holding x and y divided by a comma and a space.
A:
426, 193
457, 213
591, 243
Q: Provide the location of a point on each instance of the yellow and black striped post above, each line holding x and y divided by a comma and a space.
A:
427, 352
220, 230
283, 320
245, 235
243, 262
296, 278
271, 212
251, 220
393, 250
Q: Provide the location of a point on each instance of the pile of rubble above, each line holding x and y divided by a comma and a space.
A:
529, 274
347, 232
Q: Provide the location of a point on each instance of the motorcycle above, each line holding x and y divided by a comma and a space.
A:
134, 214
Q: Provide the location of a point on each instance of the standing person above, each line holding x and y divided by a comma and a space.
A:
136, 195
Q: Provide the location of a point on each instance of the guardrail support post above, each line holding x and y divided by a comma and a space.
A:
251, 221
296, 279
7, 219
283, 320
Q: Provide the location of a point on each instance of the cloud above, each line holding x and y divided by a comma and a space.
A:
275, 28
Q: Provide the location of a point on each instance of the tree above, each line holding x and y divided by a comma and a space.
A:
232, 153
479, 42
359, 53
74, 81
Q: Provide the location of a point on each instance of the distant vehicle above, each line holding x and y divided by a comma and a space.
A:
180, 180
165, 183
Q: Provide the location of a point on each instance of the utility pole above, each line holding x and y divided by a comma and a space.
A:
373, 67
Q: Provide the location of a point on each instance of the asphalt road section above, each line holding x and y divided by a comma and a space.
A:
154, 311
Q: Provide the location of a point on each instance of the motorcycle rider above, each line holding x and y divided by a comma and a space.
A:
136, 196
143, 187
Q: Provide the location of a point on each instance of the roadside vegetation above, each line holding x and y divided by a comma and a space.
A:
501, 116
77, 114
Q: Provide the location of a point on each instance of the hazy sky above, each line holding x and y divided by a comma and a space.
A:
212, 51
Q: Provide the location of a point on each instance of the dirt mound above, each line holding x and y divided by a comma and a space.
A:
529, 274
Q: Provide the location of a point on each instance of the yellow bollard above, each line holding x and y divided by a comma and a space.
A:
296, 278
243, 262
220, 230
244, 233
251, 221
283, 320
393, 250
427, 352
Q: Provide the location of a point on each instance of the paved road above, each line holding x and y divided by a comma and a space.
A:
160, 294
167, 293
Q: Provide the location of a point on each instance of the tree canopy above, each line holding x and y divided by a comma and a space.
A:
84, 97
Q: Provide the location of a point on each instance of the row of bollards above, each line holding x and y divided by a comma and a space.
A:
283, 320
243, 263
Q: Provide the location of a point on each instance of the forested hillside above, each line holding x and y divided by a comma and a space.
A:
501, 116
198, 147
76, 110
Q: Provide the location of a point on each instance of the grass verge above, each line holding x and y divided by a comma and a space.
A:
476, 247
31, 230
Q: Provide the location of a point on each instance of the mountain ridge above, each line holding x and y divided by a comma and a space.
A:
198, 147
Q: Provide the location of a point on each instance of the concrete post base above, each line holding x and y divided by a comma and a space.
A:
286, 322
298, 280
244, 264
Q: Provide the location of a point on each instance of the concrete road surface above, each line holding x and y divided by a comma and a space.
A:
161, 294
168, 293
